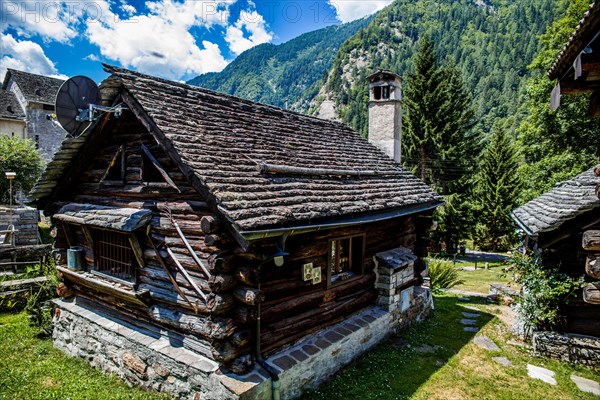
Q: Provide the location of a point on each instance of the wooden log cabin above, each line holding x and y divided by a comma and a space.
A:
204, 214
563, 225
577, 67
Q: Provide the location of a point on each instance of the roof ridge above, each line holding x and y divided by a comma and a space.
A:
112, 69
18, 71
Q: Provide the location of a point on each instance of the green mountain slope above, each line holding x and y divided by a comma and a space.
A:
289, 73
491, 42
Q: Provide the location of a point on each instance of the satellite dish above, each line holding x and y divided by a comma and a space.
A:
73, 102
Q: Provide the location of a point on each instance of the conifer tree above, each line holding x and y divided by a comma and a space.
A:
437, 138
438, 119
496, 192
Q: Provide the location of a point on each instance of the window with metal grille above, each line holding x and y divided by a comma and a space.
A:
113, 255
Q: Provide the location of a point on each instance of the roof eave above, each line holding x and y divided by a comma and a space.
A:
588, 24
251, 235
523, 226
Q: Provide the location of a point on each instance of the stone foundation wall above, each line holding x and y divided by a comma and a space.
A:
139, 357
25, 220
151, 359
576, 349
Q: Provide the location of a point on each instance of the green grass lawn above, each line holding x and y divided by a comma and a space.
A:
456, 370
30, 368
480, 279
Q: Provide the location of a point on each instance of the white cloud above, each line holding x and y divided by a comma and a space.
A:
349, 10
25, 55
92, 57
160, 42
252, 23
47, 18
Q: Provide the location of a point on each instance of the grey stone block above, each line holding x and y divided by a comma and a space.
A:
503, 361
284, 362
485, 343
586, 385
299, 355
470, 315
542, 374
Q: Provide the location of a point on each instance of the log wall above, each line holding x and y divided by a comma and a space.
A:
209, 321
293, 307
571, 256
206, 286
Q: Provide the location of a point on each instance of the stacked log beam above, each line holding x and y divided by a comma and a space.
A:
591, 242
207, 326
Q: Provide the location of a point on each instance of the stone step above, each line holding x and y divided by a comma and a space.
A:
540, 373
586, 385
485, 343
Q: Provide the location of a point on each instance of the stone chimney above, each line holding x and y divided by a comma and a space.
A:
385, 112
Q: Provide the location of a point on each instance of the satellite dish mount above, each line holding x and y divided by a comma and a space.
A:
77, 105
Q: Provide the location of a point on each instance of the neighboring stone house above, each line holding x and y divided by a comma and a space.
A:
563, 227
12, 117
207, 232
35, 95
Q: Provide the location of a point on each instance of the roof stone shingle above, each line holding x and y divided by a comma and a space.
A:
10, 107
584, 32
565, 202
225, 140
37, 88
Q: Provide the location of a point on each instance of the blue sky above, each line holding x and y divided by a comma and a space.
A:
173, 39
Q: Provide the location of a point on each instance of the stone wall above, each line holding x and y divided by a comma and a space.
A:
150, 357
576, 349
25, 220
395, 284
140, 356
40, 129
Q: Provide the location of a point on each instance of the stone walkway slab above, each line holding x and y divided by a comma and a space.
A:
466, 321
464, 299
471, 329
472, 308
426, 348
485, 343
540, 373
586, 385
470, 315
503, 361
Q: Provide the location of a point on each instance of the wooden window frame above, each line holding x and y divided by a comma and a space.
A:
135, 253
361, 269
119, 161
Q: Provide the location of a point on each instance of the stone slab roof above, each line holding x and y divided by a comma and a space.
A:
565, 202
36, 88
396, 258
265, 166
583, 34
10, 107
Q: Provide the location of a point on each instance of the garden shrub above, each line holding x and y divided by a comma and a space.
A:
443, 274
543, 290
38, 302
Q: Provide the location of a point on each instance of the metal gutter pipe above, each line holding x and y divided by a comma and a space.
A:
275, 384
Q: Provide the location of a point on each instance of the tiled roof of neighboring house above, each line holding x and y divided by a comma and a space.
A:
37, 88
264, 166
586, 30
566, 201
9, 106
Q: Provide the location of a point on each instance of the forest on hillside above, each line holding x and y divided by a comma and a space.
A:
489, 60
286, 75
491, 45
